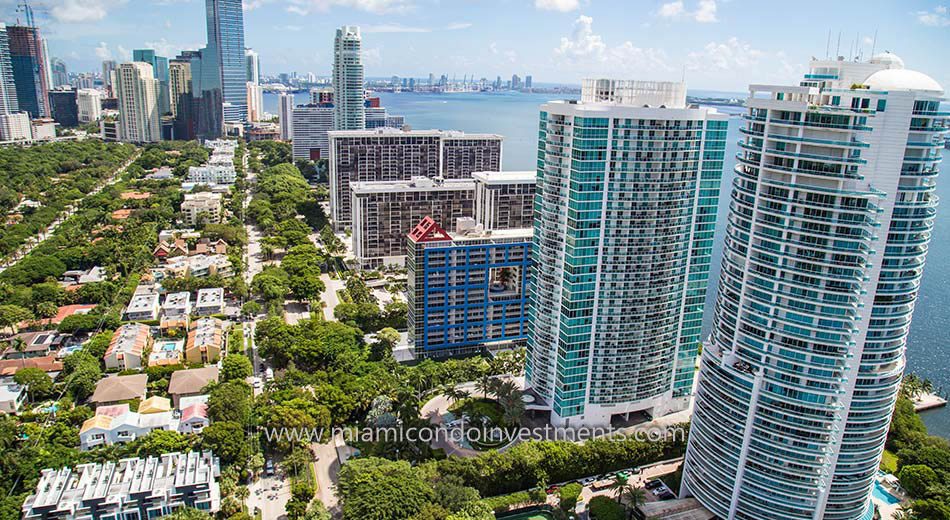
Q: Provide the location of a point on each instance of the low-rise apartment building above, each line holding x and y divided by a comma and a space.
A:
205, 341
128, 347
177, 305
212, 174
210, 301
203, 206
142, 307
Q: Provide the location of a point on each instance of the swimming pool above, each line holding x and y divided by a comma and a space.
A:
880, 493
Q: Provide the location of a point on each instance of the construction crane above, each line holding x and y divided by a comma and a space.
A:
24, 7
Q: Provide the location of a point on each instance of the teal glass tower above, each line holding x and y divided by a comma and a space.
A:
625, 209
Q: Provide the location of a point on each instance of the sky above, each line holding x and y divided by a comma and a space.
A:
715, 44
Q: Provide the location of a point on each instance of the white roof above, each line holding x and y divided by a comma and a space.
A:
888, 58
903, 79
510, 177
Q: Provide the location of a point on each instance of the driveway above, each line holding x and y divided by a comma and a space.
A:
329, 297
328, 471
272, 503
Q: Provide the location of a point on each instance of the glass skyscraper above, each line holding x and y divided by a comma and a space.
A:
8, 100
30, 73
831, 213
350, 112
226, 43
625, 208
160, 69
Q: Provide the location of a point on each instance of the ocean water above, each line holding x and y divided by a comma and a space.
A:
515, 116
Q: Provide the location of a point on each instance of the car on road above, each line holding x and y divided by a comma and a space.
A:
269, 468
587, 481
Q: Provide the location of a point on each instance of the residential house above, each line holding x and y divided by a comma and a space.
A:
128, 347
191, 382
118, 389
194, 417
35, 344
12, 397
108, 430
205, 341
49, 364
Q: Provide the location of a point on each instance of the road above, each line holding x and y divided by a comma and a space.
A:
31, 243
271, 495
329, 297
328, 469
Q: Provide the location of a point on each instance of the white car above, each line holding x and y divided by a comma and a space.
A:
587, 481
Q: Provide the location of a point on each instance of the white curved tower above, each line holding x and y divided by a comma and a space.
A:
625, 209
831, 213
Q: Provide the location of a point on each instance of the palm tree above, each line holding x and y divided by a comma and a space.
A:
485, 385
635, 496
19, 345
618, 485
242, 493
456, 394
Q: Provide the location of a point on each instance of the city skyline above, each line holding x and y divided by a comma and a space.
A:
716, 44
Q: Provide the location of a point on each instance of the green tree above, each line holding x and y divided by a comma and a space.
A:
917, 478
39, 384
378, 489
250, 308
230, 401
11, 315
236, 366
473, 511
568, 495
158, 442
603, 508
227, 440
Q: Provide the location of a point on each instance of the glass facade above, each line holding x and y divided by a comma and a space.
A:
830, 217
224, 59
624, 217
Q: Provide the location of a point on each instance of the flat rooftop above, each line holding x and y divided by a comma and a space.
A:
516, 177
399, 132
416, 184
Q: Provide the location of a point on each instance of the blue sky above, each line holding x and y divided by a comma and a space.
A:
721, 44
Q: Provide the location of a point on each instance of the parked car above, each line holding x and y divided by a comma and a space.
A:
653, 484
587, 481
269, 468
552, 489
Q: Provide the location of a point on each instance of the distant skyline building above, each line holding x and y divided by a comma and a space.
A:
60, 75
180, 97
108, 66
137, 92
505, 200
628, 183
226, 44
30, 70
832, 212
160, 70
285, 114
310, 128
8, 94
527, 81
15, 126
391, 154
255, 102
253, 64
89, 105
348, 79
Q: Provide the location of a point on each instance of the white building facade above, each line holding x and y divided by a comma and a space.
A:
89, 103
626, 206
832, 210
137, 91
348, 79
311, 123
285, 109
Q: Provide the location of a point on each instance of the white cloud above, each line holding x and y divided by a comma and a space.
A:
103, 52
672, 9
705, 11
123, 54
729, 55
564, 6
372, 57
305, 7
169, 49
588, 51
291, 28
938, 17
393, 28
457, 26
82, 11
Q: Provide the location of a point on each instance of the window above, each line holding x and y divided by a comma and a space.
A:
881, 103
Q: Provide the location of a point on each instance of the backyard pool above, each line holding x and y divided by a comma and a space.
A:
880, 493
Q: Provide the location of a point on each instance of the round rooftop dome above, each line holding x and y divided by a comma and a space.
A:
888, 58
903, 79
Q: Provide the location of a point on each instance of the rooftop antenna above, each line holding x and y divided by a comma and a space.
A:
874, 43
828, 45
838, 48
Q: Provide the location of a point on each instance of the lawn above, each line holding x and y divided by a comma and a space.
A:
889, 462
